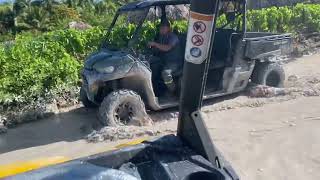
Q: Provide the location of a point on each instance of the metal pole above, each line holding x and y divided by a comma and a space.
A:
244, 19
200, 38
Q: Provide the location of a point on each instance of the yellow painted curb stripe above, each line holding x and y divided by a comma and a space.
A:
131, 143
21, 167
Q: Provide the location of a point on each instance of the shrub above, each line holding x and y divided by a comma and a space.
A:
300, 18
306, 17
33, 66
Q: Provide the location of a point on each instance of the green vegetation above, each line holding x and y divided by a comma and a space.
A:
48, 15
300, 18
33, 66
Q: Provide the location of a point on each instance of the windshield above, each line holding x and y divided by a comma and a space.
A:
230, 16
134, 29
124, 28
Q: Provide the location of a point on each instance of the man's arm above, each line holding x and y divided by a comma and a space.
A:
161, 47
173, 41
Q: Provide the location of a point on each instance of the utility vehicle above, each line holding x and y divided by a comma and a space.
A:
120, 80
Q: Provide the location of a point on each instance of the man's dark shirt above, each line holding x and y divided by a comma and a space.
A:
174, 54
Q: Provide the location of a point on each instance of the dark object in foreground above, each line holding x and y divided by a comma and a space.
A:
162, 159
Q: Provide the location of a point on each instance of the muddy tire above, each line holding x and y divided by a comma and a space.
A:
84, 99
269, 74
122, 107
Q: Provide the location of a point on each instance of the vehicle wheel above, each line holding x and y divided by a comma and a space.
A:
84, 99
269, 74
122, 107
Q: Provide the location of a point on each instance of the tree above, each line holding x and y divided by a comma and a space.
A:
19, 6
106, 6
6, 18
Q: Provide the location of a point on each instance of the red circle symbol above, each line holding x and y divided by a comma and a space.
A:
199, 27
197, 40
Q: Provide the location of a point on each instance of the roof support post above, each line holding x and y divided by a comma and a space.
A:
201, 31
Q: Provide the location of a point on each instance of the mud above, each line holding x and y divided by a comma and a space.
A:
126, 132
53, 103
33, 112
118, 133
161, 124
297, 86
306, 44
311, 88
256, 96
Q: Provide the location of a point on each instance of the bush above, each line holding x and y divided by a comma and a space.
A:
300, 18
6, 21
33, 66
306, 17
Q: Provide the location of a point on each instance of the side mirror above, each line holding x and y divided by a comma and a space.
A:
231, 16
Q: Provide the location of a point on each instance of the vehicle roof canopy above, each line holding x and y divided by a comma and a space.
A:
148, 3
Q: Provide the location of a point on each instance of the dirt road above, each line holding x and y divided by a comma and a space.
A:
265, 138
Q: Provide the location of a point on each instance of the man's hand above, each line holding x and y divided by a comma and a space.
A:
152, 44
161, 47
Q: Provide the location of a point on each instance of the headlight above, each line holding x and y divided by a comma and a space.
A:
108, 69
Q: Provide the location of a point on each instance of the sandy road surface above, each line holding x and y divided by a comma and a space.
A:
277, 138
277, 141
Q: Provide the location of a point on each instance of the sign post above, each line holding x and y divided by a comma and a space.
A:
197, 58
199, 36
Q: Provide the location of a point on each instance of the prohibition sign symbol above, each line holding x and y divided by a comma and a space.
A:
197, 40
199, 27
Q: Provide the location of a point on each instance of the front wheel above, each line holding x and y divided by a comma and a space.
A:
123, 107
269, 74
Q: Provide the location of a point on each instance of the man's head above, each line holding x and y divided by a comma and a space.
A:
165, 27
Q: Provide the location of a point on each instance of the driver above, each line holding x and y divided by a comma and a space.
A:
169, 54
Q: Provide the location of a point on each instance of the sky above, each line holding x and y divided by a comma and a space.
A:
2, 1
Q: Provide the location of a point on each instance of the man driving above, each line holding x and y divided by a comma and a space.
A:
169, 54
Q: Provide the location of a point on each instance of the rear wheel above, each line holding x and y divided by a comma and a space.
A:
122, 107
269, 74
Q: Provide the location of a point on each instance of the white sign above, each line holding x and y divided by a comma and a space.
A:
198, 39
